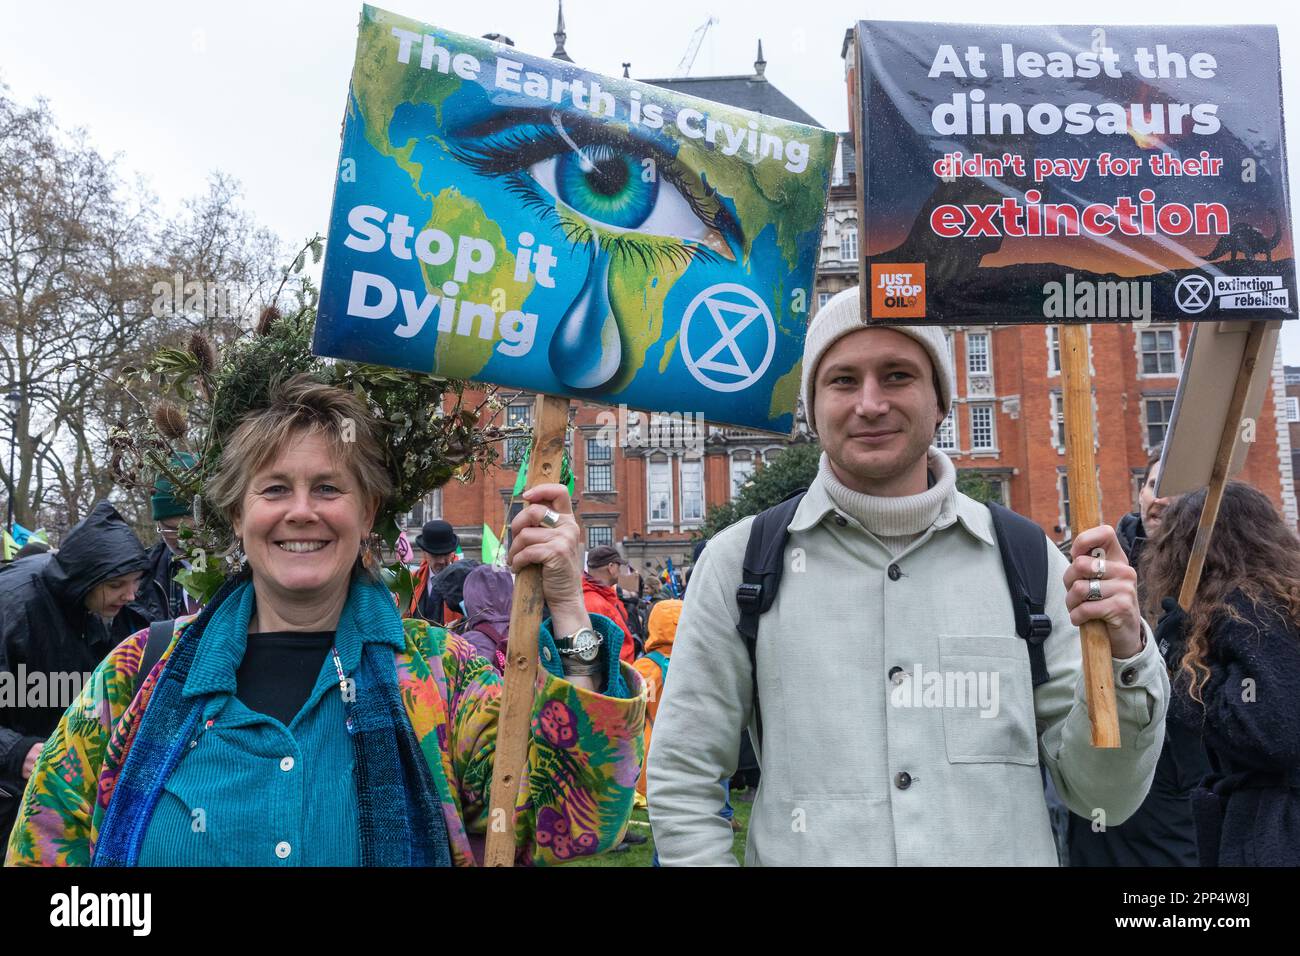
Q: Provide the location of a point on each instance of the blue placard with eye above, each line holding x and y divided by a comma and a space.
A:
516, 220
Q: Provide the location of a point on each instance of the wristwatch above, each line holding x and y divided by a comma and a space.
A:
583, 645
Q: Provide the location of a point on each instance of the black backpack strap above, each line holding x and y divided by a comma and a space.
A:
1024, 561
764, 562
160, 635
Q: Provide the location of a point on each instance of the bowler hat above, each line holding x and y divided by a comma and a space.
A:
437, 537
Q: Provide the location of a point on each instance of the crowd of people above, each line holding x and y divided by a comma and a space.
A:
305, 716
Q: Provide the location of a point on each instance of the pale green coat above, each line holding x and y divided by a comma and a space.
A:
836, 733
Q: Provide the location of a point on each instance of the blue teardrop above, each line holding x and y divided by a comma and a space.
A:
587, 348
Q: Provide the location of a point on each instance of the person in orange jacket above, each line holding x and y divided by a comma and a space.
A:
653, 668
600, 594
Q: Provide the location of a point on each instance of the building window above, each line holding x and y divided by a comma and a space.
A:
946, 437
982, 436
1058, 421
742, 468
659, 490
1064, 494
822, 299
426, 509
1159, 411
849, 243
1159, 354
692, 488
598, 535
952, 349
1293, 408
600, 465
517, 415
1053, 350
977, 353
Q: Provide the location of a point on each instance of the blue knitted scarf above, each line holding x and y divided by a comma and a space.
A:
401, 822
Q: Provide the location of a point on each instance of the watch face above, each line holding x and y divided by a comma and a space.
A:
586, 646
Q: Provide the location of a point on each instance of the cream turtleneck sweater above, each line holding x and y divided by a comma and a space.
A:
897, 522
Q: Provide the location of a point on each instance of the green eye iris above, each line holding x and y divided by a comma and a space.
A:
606, 187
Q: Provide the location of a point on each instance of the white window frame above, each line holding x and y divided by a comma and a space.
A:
1146, 419
652, 465
1053, 350
688, 518
599, 527
1142, 353
1056, 407
511, 459
1292, 408
736, 486
849, 242
946, 438
987, 352
823, 298
1063, 501
992, 446
606, 462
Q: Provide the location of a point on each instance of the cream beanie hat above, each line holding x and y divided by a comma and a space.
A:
842, 315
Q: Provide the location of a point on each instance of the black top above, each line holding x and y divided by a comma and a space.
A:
280, 669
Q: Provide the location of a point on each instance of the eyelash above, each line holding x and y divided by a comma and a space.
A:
509, 153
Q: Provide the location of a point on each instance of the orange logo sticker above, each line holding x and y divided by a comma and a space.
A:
898, 290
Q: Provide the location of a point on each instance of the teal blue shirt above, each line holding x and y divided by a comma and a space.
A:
251, 791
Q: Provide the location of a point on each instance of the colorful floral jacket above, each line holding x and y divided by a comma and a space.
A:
575, 799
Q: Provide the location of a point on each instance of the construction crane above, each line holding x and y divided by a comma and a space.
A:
693, 49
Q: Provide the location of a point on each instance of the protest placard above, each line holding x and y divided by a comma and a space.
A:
512, 219
1071, 174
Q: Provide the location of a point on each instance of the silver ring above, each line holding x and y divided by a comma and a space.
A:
551, 519
1094, 590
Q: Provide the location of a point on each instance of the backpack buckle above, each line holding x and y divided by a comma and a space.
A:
749, 597
1040, 627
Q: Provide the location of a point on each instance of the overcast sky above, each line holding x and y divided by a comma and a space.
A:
257, 89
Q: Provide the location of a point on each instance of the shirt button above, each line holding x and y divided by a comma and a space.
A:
902, 780
841, 520
895, 572
286, 764
282, 850
897, 675
546, 654
1128, 677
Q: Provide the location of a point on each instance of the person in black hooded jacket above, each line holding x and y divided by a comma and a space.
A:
54, 614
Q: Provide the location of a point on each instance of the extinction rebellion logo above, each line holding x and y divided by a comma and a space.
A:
898, 290
1195, 293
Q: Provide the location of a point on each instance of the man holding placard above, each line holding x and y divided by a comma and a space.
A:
902, 721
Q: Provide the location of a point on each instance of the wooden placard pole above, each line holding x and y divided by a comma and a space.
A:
551, 419
1085, 512
1219, 473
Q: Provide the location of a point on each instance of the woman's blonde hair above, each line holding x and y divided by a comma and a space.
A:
302, 406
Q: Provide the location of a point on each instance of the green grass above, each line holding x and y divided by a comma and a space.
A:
642, 855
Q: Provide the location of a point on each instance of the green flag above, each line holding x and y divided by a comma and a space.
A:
491, 546
10, 546
566, 474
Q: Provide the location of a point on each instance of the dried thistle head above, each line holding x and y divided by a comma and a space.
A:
206, 353
170, 420
270, 315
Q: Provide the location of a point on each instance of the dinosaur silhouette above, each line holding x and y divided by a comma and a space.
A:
1246, 240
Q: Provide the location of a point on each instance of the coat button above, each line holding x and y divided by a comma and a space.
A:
902, 780
286, 764
282, 850
895, 572
1128, 676
841, 520
546, 654
897, 675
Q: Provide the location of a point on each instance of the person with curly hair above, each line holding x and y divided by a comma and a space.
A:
299, 721
1236, 657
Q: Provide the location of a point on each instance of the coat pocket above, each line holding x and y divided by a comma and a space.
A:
988, 701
